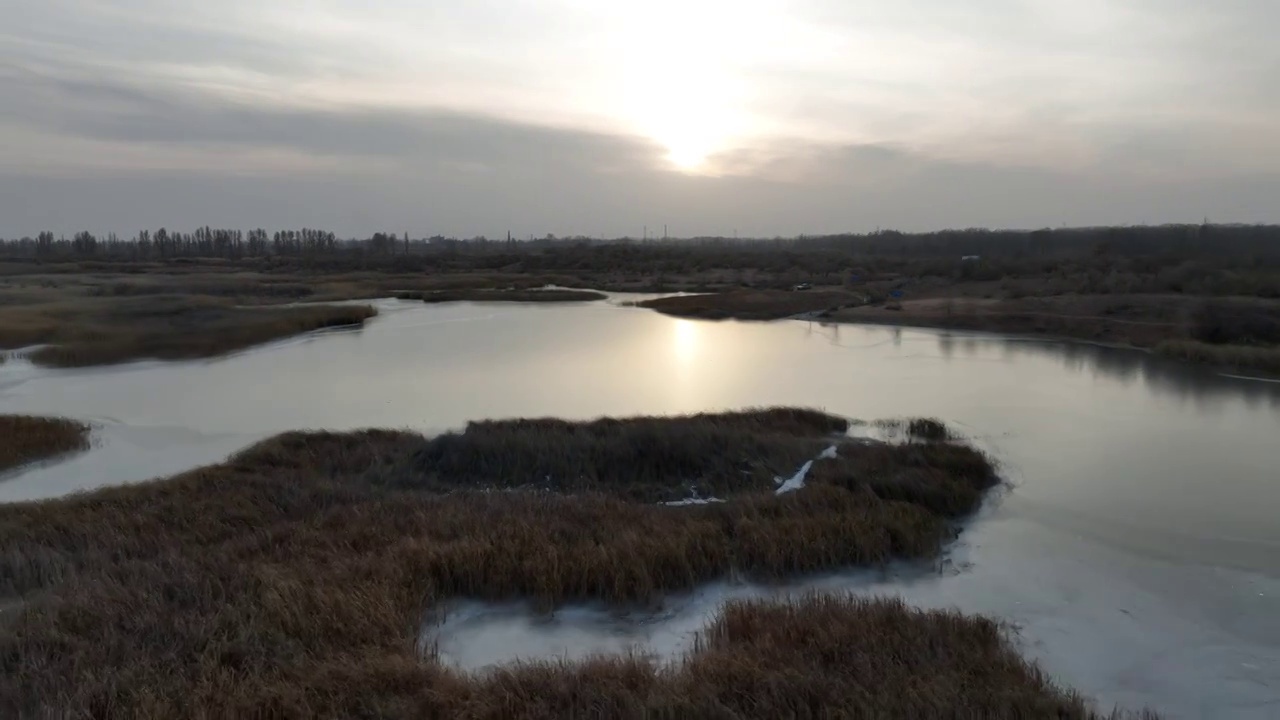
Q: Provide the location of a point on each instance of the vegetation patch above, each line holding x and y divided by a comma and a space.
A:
292, 579
25, 439
930, 429
180, 328
817, 656
486, 295
752, 304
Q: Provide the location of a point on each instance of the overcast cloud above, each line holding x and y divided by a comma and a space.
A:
582, 117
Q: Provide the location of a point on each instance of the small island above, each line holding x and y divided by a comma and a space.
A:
511, 295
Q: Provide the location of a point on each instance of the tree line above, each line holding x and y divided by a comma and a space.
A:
1249, 244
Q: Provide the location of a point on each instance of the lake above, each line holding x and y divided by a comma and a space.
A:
1136, 551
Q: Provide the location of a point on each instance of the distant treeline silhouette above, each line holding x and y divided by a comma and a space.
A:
1257, 243
1186, 259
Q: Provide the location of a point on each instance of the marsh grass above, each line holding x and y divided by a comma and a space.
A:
183, 329
508, 295
292, 580
811, 657
645, 459
930, 429
752, 304
25, 439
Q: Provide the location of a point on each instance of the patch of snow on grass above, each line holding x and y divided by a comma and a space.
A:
795, 482
692, 501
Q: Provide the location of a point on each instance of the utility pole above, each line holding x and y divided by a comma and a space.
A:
646, 232
664, 231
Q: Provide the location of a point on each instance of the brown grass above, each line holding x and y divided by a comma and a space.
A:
292, 580
25, 439
176, 329
1141, 322
489, 295
646, 459
752, 304
816, 656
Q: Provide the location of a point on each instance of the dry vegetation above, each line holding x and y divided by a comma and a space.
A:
1230, 333
508, 295
79, 327
1233, 333
761, 304
816, 657
293, 580
25, 439
1147, 287
90, 316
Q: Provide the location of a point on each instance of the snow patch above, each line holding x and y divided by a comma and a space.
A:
795, 482
693, 501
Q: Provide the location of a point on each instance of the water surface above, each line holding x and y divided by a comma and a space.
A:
1137, 551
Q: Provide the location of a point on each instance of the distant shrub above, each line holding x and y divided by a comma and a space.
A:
927, 429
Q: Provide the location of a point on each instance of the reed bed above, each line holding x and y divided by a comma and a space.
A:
753, 304
292, 580
25, 439
811, 657
510, 295
185, 329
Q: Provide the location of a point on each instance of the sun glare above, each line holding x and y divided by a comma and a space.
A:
686, 96
686, 156
685, 342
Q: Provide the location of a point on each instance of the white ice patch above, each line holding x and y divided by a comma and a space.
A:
795, 482
693, 501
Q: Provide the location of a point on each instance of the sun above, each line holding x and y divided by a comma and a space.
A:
687, 155
686, 101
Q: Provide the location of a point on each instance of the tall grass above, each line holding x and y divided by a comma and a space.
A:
509, 295
752, 304
816, 656
648, 459
184, 330
25, 439
291, 580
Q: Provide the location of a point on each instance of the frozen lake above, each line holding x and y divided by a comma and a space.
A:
1137, 552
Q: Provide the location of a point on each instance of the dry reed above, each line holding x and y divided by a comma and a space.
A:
25, 439
509, 295
291, 580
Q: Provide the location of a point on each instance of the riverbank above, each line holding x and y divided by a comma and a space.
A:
292, 577
26, 439
82, 332
536, 295
102, 313
1232, 334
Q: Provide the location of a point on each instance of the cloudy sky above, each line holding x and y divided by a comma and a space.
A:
588, 117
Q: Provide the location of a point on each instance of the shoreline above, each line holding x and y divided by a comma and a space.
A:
1159, 335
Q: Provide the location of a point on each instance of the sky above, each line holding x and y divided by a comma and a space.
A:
582, 117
